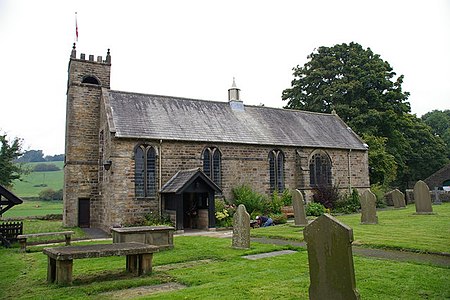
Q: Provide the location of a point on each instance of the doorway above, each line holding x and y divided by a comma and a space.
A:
84, 212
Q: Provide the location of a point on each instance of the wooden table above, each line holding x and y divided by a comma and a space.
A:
60, 259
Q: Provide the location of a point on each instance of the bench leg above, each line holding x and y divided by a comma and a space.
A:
145, 263
51, 270
132, 263
23, 245
67, 239
64, 271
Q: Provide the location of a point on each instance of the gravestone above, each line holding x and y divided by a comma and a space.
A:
330, 258
299, 209
369, 208
422, 198
241, 228
437, 200
398, 198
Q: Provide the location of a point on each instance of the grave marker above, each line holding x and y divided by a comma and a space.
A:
331, 271
437, 200
241, 228
299, 209
369, 208
398, 198
422, 198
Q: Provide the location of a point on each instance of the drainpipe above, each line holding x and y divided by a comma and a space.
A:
349, 172
160, 176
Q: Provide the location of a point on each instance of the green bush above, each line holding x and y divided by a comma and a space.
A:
315, 209
278, 218
154, 219
45, 168
276, 204
253, 201
224, 213
286, 197
379, 192
349, 204
50, 194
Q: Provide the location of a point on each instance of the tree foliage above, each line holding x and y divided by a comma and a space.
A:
439, 121
9, 152
367, 94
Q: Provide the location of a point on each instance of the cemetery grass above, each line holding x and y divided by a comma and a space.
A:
211, 269
397, 229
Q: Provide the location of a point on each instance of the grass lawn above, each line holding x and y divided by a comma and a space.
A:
214, 271
32, 184
35, 208
396, 229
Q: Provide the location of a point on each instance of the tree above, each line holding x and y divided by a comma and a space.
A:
383, 168
32, 156
9, 152
439, 121
365, 92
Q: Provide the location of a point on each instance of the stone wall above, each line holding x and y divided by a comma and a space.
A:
241, 164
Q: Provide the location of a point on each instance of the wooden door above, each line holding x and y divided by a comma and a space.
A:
84, 212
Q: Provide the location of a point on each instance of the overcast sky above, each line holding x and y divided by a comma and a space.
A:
194, 49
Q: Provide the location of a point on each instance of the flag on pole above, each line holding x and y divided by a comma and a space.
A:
76, 27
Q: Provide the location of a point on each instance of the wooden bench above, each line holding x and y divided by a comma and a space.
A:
60, 259
22, 238
288, 211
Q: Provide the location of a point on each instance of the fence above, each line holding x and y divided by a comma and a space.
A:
10, 230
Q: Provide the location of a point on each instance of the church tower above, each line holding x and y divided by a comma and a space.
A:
86, 79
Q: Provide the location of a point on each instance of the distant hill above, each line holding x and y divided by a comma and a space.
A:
32, 184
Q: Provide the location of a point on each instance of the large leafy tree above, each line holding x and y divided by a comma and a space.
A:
9, 152
439, 121
367, 94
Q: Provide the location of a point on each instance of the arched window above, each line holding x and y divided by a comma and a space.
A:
276, 170
91, 80
320, 169
212, 164
145, 171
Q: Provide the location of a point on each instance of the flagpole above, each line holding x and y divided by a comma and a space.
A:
76, 28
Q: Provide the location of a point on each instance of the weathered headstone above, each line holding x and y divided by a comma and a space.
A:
330, 258
437, 200
369, 208
299, 209
241, 228
398, 198
422, 198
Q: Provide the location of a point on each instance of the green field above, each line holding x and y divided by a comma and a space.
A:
35, 208
32, 184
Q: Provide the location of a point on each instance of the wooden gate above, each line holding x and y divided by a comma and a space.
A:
9, 232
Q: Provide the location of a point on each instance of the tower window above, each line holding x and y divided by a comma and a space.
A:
276, 170
145, 171
91, 80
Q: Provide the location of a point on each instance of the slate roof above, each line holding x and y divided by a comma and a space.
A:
134, 115
182, 179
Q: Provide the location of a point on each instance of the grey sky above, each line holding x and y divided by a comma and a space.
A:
194, 49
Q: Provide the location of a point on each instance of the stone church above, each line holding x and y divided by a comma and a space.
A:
130, 154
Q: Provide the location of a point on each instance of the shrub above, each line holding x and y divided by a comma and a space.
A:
286, 197
154, 219
379, 192
278, 218
50, 194
349, 204
276, 203
327, 195
315, 209
252, 200
224, 213
45, 168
